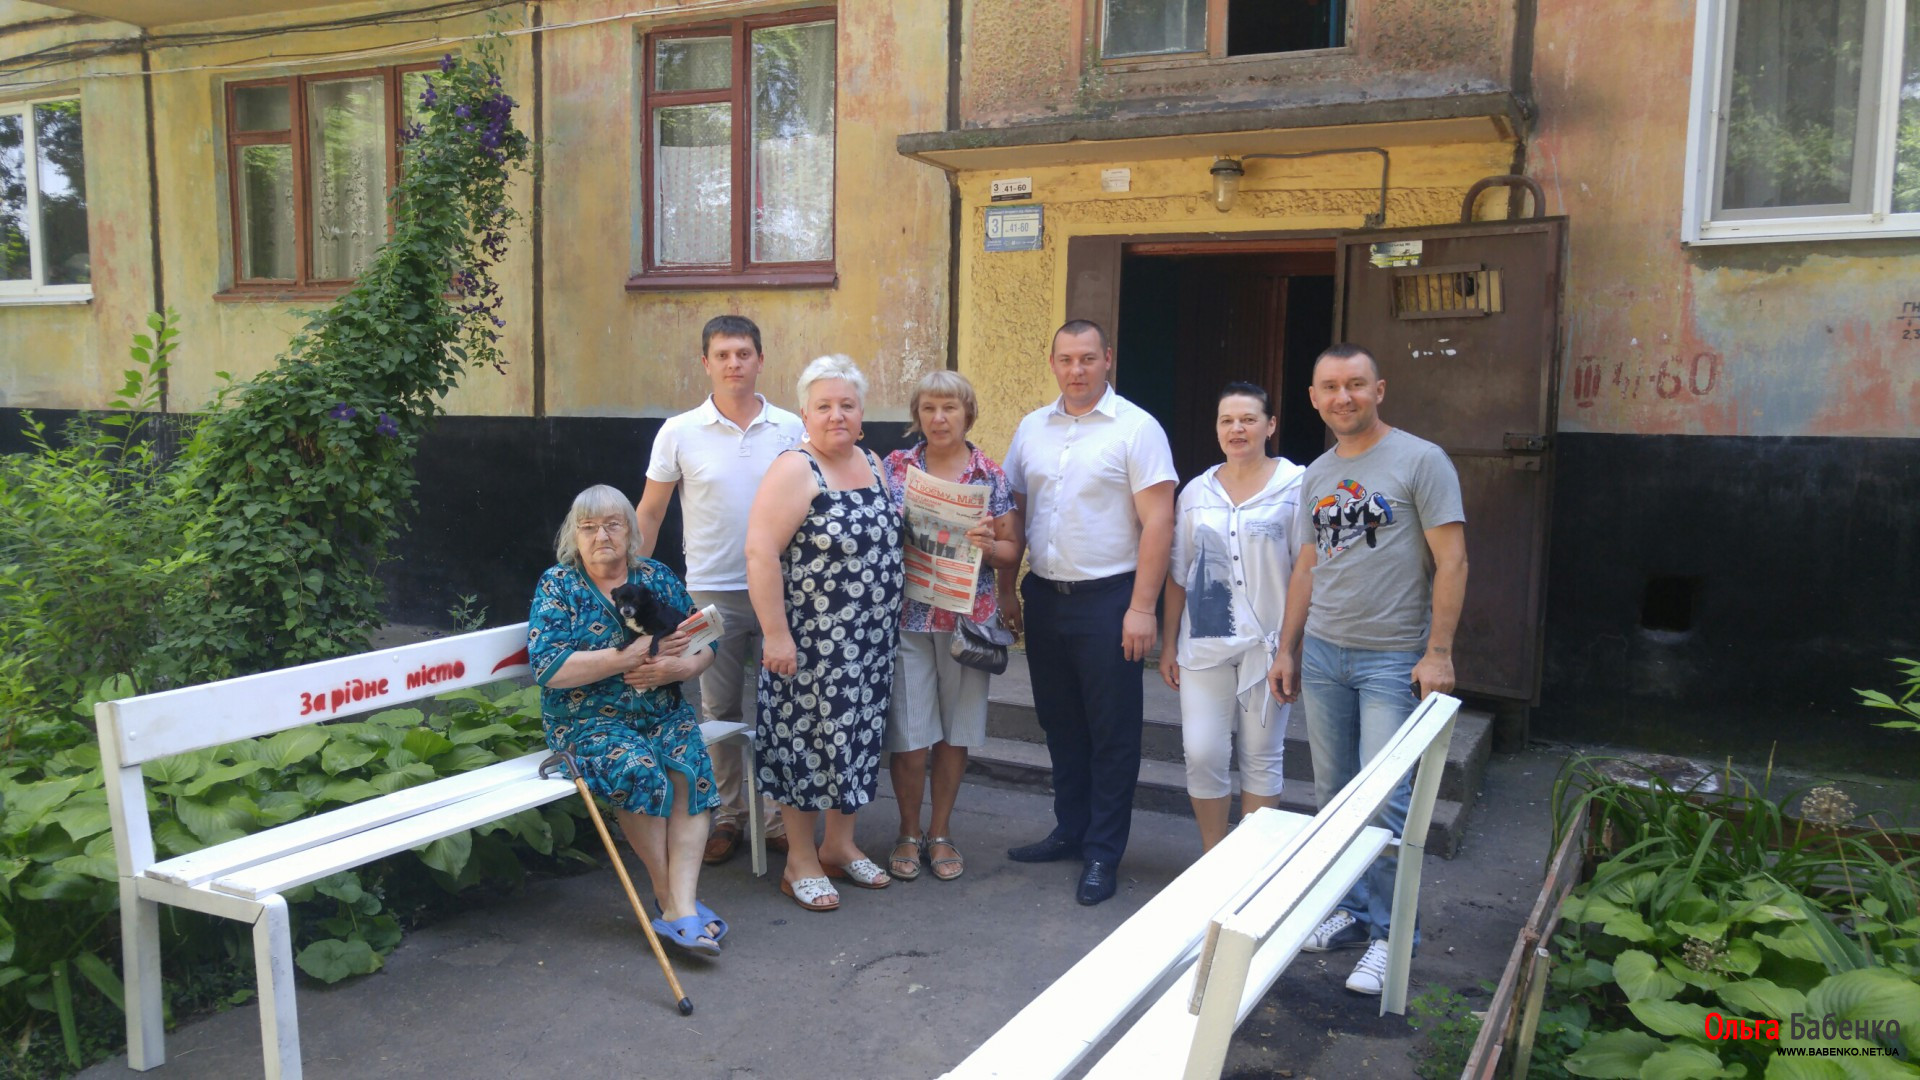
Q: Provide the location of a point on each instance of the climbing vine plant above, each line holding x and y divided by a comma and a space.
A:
308, 469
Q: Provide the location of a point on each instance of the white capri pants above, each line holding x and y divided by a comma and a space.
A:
1210, 716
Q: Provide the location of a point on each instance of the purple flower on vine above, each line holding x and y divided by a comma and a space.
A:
343, 411
428, 97
462, 112
387, 427
446, 63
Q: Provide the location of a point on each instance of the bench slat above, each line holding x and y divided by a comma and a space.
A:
194, 717
1069, 1018
1157, 1044
198, 867
314, 863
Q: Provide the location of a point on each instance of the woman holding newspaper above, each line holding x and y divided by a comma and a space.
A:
607, 698
955, 501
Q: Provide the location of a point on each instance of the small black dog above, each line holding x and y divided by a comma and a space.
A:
643, 614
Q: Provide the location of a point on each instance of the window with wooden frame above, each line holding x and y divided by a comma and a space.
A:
1133, 31
43, 204
310, 162
737, 155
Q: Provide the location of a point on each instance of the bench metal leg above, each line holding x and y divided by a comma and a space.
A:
273, 961
756, 820
140, 958
1406, 878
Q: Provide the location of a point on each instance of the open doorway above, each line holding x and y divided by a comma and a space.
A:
1191, 320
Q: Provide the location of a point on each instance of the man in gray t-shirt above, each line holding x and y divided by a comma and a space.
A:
1371, 610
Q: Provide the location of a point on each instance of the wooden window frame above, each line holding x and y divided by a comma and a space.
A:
302, 286
740, 271
1215, 51
33, 288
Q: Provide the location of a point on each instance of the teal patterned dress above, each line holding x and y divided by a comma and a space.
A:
625, 739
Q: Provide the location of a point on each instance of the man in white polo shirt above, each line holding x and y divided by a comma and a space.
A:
1093, 483
720, 451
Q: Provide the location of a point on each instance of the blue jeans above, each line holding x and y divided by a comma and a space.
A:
1355, 699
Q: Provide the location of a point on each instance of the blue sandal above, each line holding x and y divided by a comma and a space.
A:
707, 917
689, 933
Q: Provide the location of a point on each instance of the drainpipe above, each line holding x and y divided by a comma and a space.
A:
153, 201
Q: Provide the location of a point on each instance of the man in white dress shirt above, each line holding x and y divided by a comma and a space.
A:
1093, 482
720, 451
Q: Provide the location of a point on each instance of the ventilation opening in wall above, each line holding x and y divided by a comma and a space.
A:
1667, 604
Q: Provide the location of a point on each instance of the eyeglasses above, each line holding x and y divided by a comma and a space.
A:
610, 528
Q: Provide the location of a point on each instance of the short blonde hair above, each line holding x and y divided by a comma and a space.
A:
942, 384
597, 501
833, 366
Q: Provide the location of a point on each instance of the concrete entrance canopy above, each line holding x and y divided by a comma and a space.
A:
1464, 118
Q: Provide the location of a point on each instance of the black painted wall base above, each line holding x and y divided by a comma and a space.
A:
1706, 595
1717, 595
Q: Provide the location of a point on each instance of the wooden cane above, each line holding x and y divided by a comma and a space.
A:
620, 868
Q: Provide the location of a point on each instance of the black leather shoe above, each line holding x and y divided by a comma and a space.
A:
1052, 849
1098, 882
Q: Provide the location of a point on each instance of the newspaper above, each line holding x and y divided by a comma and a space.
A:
705, 627
943, 568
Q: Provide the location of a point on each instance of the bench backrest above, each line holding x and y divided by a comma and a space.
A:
140, 729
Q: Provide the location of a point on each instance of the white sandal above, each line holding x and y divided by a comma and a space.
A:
812, 893
864, 873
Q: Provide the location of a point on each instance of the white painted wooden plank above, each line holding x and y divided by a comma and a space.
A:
140, 960
192, 717
126, 797
314, 863
279, 1013
198, 867
1070, 1017
1350, 810
1156, 1045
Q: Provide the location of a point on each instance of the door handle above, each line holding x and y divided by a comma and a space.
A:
1522, 443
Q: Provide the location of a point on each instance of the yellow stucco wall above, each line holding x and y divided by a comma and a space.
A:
609, 352
1010, 302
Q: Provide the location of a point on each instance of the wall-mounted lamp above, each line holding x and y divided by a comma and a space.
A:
1227, 173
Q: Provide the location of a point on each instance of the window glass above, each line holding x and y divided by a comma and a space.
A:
262, 108
413, 84
1906, 160
1149, 27
704, 63
793, 143
693, 184
15, 258
63, 193
266, 212
1793, 104
347, 133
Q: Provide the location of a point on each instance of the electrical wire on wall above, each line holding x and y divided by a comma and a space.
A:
11, 68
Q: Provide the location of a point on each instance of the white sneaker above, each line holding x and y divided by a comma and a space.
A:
1370, 974
1337, 931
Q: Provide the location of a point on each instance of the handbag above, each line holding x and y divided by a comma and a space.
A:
981, 645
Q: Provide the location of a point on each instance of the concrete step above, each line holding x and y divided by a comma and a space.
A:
1016, 754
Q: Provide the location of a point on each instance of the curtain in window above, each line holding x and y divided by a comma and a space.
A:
346, 131
1793, 110
693, 185
793, 80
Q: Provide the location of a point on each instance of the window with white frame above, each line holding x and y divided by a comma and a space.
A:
1805, 122
43, 202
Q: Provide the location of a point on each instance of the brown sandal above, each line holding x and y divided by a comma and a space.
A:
721, 843
955, 861
911, 863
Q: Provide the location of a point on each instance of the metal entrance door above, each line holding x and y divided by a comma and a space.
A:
1464, 320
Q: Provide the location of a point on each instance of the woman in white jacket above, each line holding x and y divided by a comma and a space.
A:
1226, 593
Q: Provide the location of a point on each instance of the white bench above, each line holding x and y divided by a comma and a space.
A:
242, 879
1207, 948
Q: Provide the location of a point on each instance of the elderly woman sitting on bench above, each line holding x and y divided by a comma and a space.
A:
610, 700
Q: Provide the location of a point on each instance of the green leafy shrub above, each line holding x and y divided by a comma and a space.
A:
1907, 704
1725, 904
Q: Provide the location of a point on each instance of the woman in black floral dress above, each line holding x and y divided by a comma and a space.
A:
824, 573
